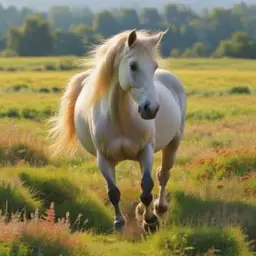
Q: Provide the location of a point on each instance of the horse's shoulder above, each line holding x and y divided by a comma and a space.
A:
169, 80
172, 82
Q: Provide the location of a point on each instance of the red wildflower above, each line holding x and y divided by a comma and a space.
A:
220, 186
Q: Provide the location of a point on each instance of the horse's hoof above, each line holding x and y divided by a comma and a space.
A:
139, 211
119, 224
152, 225
160, 209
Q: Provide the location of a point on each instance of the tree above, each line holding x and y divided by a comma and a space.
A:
200, 49
34, 38
177, 14
61, 17
86, 35
128, 19
221, 23
175, 53
150, 18
83, 16
106, 24
241, 45
68, 43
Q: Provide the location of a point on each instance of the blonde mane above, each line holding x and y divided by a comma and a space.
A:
105, 58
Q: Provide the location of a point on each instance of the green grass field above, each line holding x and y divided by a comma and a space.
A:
59, 206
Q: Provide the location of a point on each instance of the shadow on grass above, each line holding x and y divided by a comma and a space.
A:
86, 211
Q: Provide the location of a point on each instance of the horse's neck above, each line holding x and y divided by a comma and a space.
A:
120, 105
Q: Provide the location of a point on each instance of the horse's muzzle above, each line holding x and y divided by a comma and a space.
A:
147, 111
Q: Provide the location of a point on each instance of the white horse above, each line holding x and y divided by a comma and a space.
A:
125, 108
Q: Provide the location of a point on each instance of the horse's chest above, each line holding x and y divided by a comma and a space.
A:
118, 144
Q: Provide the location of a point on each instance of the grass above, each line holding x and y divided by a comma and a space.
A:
212, 192
19, 147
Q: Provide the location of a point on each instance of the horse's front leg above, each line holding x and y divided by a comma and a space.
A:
150, 220
107, 169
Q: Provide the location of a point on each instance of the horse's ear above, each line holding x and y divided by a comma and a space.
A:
156, 39
132, 38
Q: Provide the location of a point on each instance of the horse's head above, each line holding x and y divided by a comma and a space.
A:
136, 72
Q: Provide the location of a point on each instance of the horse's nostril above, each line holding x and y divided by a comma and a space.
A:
147, 107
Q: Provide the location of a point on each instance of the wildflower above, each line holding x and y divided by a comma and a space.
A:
245, 177
220, 186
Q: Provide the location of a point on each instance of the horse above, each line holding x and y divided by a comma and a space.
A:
125, 107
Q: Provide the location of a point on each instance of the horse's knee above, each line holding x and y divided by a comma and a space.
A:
147, 183
114, 195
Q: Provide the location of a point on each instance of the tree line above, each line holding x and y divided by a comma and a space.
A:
65, 31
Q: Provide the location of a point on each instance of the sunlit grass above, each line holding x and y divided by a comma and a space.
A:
211, 193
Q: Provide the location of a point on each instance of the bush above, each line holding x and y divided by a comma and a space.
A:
50, 67
13, 113
175, 53
240, 90
56, 89
201, 241
8, 53
44, 90
28, 113
66, 65
47, 112
200, 115
11, 69
19, 87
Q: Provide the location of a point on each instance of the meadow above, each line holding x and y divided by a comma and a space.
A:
59, 206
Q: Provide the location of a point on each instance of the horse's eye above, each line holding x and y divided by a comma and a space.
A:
134, 66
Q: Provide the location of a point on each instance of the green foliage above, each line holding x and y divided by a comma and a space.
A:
8, 53
67, 43
226, 164
241, 45
175, 53
15, 197
34, 38
14, 249
29, 113
240, 90
202, 115
128, 18
13, 113
201, 241
105, 23
67, 31
150, 18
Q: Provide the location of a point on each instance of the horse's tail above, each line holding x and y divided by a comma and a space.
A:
62, 125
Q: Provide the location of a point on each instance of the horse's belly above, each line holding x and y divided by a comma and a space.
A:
83, 130
168, 119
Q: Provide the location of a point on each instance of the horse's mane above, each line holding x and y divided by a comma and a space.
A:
105, 58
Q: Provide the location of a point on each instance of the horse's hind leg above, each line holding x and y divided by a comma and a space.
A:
107, 169
164, 173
